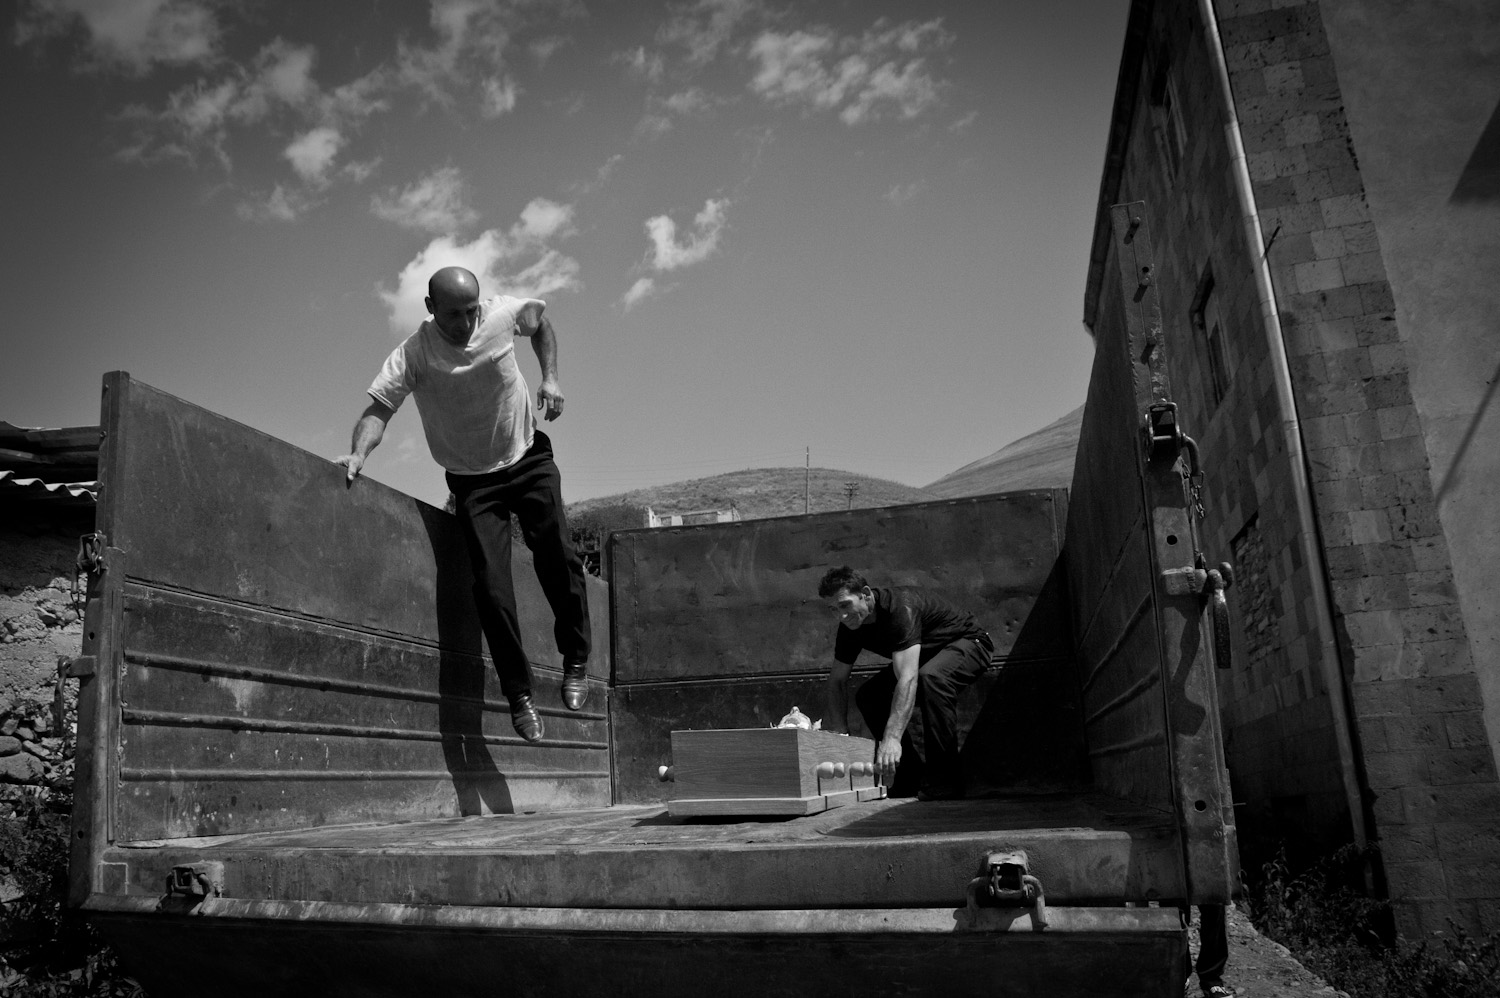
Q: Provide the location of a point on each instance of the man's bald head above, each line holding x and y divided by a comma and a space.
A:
453, 301
453, 284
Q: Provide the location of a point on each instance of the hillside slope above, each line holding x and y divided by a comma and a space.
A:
1040, 460
763, 492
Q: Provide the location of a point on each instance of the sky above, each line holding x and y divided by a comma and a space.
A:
855, 228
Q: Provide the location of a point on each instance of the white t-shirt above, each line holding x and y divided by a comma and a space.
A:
475, 406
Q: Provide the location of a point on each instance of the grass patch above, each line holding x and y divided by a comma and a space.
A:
47, 951
1346, 937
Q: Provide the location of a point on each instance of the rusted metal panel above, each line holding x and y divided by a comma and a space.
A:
1126, 526
1019, 725
288, 651
1084, 847
740, 599
213, 507
246, 949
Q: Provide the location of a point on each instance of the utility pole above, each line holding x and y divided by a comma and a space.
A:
851, 489
807, 483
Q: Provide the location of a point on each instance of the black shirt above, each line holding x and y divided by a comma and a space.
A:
906, 616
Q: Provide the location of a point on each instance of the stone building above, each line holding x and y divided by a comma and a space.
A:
1321, 181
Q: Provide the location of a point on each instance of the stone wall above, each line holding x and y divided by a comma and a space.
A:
39, 629
1415, 689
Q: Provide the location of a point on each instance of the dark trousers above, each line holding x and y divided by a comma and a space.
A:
929, 745
1213, 944
532, 490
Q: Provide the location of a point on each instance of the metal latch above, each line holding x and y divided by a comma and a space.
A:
88, 563
1209, 583
1005, 881
197, 880
79, 666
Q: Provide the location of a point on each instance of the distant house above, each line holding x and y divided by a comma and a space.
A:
694, 518
1321, 188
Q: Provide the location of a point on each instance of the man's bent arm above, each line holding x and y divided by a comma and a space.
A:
368, 432
905, 664
838, 698
548, 396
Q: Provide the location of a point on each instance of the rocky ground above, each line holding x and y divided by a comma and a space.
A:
1261, 968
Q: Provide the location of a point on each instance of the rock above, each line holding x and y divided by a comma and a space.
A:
38, 749
9, 726
20, 768
9, 745
26, 733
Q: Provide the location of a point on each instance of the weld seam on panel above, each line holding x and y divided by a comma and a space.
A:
1106, 922
1114, 570
166, 719
137, 774
1130, 625
1143, 741
996, 666
395, 637
1130, 693
327, 685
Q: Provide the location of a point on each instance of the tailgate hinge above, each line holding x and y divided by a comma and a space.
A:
196, 881
1005, 881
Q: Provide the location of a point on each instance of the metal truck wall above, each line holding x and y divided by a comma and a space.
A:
276, 649
721, 626
1150, 705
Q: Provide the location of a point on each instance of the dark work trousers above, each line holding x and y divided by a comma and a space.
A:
929, 745
1213, 945
532, 490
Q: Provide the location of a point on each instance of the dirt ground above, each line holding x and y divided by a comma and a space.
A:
1261, 968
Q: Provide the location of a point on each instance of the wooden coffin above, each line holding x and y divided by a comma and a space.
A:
773, 771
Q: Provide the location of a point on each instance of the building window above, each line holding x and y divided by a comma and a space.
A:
1166, 120
1209, 324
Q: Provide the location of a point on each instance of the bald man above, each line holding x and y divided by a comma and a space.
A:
476, 413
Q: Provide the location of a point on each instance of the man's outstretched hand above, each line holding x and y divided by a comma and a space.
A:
887, 756
351, 463
549, 399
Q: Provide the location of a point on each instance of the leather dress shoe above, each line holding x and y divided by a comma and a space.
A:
524, 716
575, 685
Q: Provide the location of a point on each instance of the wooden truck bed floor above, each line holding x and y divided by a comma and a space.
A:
1086, 847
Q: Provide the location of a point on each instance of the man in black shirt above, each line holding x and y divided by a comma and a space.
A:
911, 706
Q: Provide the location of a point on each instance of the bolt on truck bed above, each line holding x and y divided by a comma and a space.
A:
296, 770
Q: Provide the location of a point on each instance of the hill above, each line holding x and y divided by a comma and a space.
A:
1040, 460
763, 492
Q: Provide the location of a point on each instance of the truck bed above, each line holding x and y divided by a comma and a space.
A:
1086, 847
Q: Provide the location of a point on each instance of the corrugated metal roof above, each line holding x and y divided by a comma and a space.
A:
13, 487
55, 466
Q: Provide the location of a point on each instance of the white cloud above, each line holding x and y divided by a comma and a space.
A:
866, 77
281, 205
498, 96
499, 259
133, 35
471, 35
699, 245
648, 66
962, 124
902, 193
702, 28
541, 220
638, 292
312, 153
433, 203
543, 49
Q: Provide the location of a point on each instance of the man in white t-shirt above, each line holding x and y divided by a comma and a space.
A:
460, 365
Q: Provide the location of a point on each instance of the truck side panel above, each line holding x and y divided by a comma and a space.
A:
1149, 687
720, 626
286, 651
